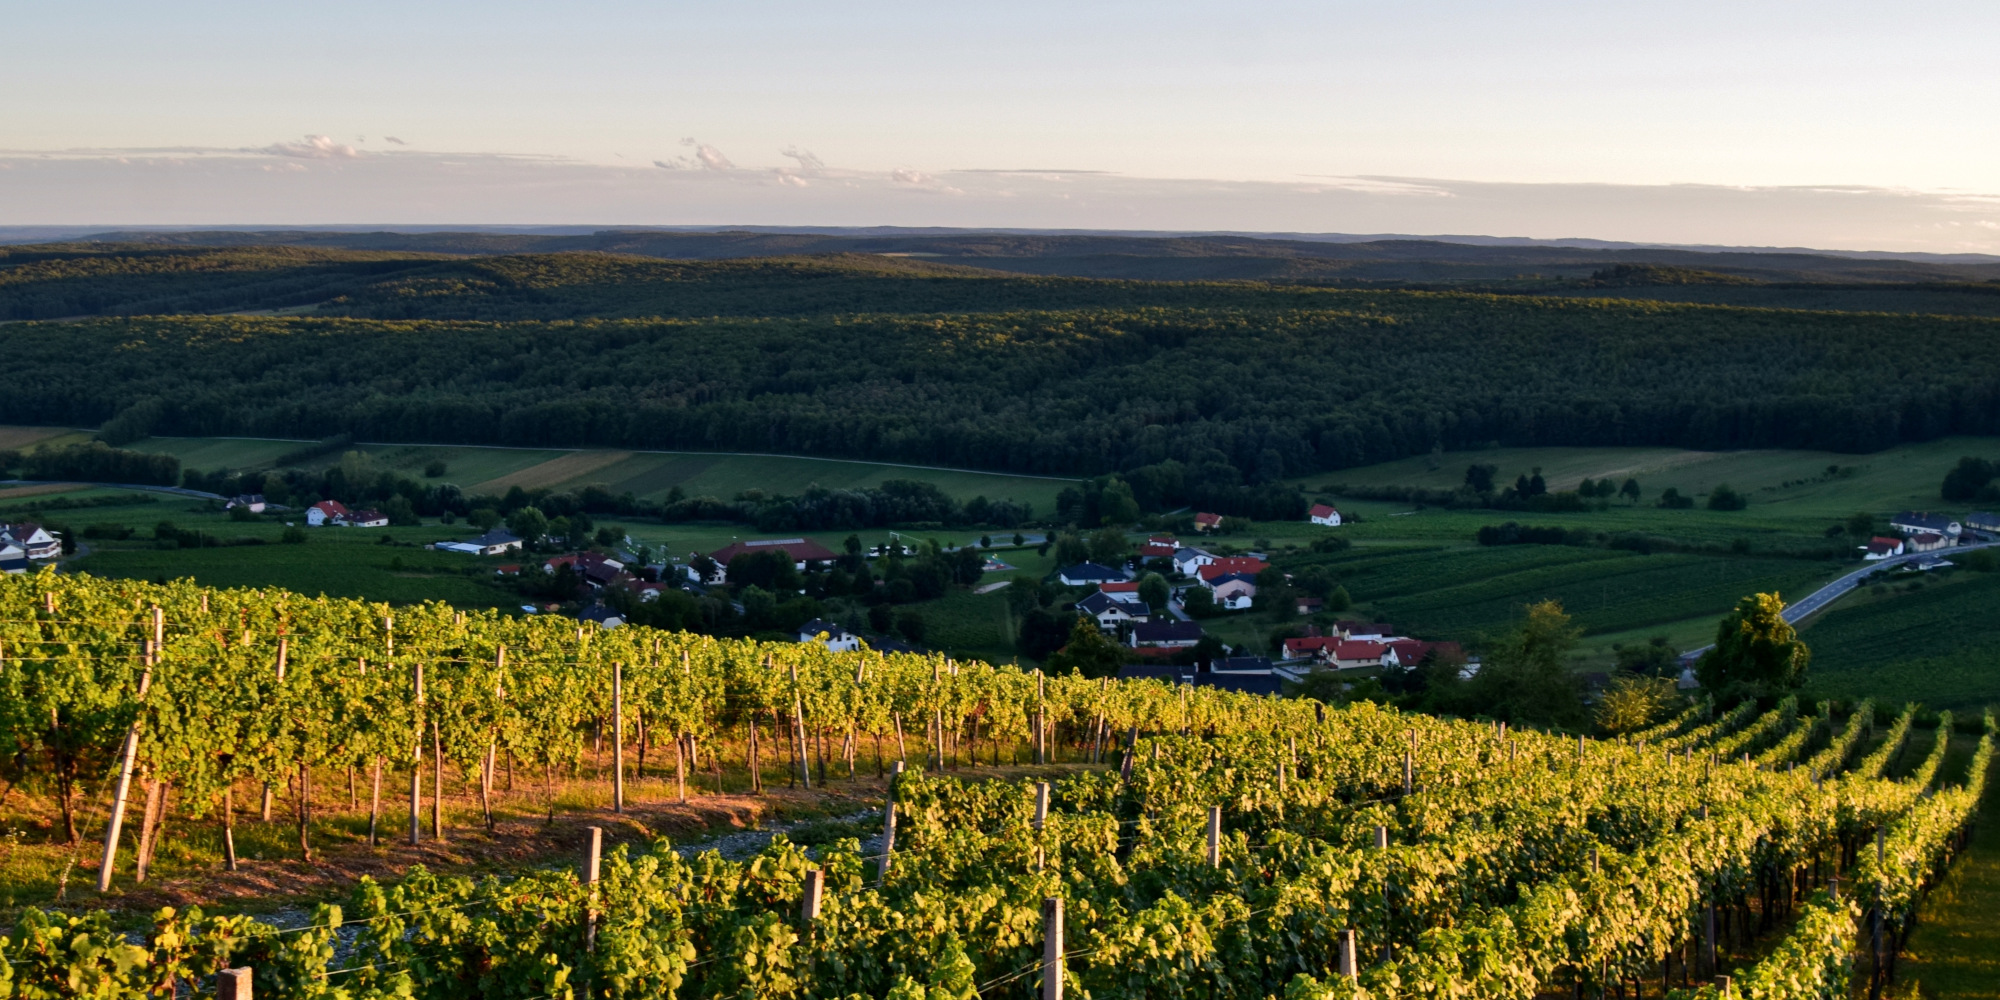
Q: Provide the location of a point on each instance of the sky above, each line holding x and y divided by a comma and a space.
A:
1831, 124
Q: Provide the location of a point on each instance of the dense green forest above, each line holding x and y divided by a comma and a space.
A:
1285, 391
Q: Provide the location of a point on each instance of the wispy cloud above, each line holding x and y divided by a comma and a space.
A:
394, 140
315, 147
709, 157
806, 160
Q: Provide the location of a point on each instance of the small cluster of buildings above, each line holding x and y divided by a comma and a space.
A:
333, 512
23, 544
1357, 645
494, 543
1922, 531
804, 552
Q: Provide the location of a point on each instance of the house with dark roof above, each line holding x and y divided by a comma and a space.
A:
1086, 574
595, 568
13, 558
804, 552
1980, 520
1914, 523
1324, 514
1189, 560
603, 616
1165, 635
1927, 541
493, 543
1309, 605
34, 541
1233, 591
1110, 612
832, 635
365, 518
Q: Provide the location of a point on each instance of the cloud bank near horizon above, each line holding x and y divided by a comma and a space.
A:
318, 180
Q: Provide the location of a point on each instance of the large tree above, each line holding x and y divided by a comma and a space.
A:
1756, 650
1527, 678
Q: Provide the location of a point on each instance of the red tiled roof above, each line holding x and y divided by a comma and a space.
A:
1322, 510
800, 549
1307, 645
330, 507
1232, 564
1128, 587
1207, 518
1359, 649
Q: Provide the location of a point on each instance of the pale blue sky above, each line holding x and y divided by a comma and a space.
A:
1275, 96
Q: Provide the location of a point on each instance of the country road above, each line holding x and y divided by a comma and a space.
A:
1818, 599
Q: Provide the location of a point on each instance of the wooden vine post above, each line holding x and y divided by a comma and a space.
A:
1215, 836
131, 754
618, 737
233, 984
592, 862
799, 729
1052, 948
889, 824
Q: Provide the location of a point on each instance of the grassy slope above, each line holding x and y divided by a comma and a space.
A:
1954, 954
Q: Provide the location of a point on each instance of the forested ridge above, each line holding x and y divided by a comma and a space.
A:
1274, 382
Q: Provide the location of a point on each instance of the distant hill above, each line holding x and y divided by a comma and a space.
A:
1150, 257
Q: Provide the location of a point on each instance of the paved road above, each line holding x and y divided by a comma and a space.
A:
1826, 595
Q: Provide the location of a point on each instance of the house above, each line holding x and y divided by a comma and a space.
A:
496, 542
1411, 652
1233, 591
1085, 574
595, 569
1127, 591
1364, 630
1187, 560
1243, 665
1309, 605
1928, 542
830, 635
1910, 523
1309, 647
510, 569
1323, 514
603, 616
493, 543
253, 501
34, 541
1156, 550
1980, 520
804, 552
365, 519
326, 512
1268, 684
1165, 635
13, 559
1111, 612
1205, 521
1882, 548
1249, 566
1354, 655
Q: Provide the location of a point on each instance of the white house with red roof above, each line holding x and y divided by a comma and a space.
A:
1156, 550
1127, 591
1308, 647
1230, 566
1356, 654
1882, 548
804, 551
1206, 521
326, 512
1324, 514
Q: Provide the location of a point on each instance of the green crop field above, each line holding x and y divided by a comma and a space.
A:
337, 562
1905, 476
1936, 645
648, 475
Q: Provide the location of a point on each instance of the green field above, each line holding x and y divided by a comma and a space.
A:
644, 474
1937, 645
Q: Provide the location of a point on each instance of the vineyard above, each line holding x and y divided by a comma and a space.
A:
1230, 847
